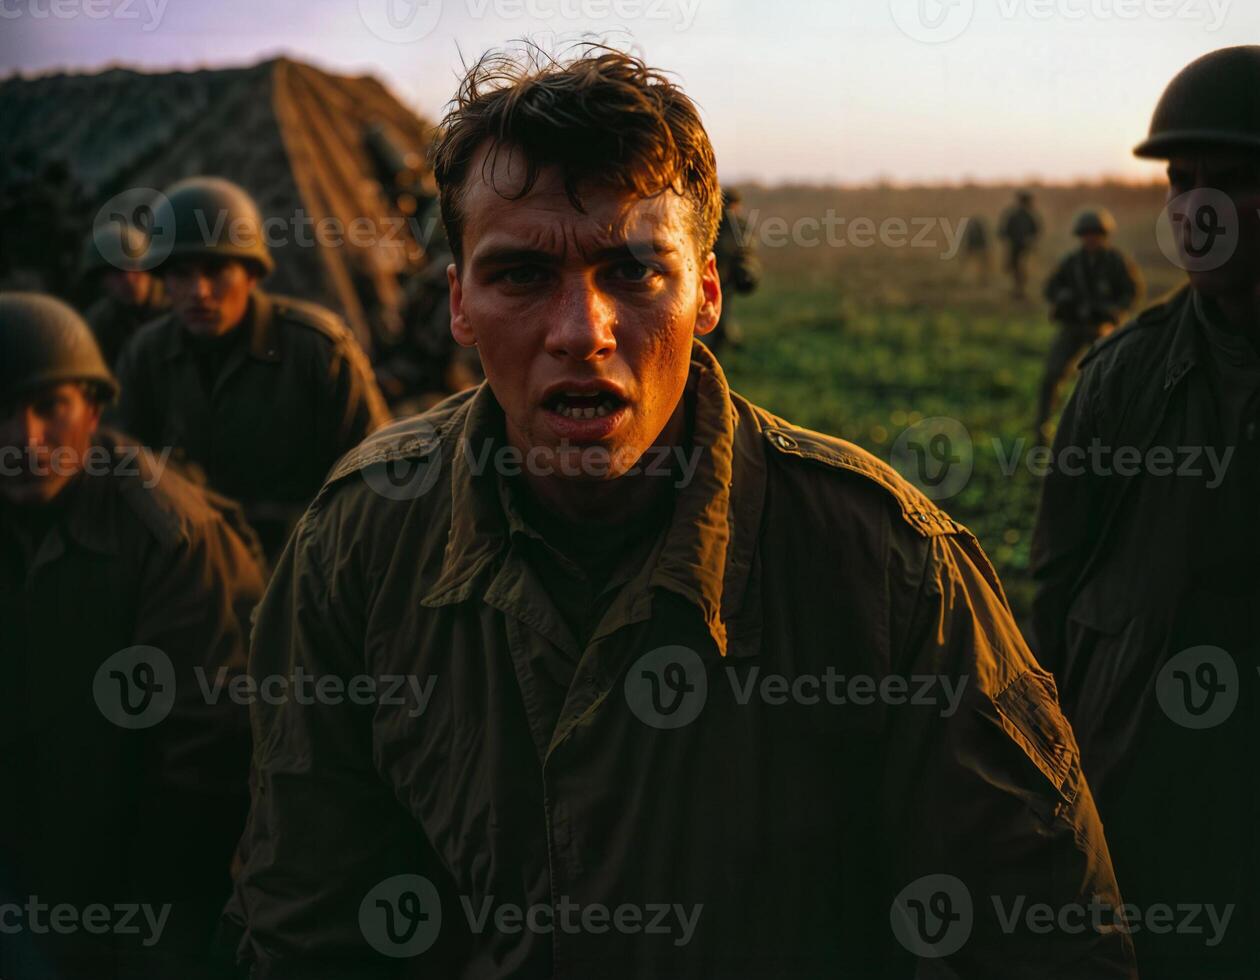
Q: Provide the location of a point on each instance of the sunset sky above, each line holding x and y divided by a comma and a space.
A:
812, 90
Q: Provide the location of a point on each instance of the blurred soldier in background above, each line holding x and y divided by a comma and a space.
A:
121, 784
262, 392
1090, 292
1148, 602
428, 365
975, 250
41, 217
738, 270
120, 296
1020, 228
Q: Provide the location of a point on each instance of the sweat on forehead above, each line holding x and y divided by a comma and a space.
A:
547, 218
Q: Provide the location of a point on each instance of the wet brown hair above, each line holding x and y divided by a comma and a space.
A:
600, 115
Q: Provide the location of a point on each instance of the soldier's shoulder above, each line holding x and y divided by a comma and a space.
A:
98, 310
154, 335
310, 319
1143, 337
852, 472
414, 441
169, 506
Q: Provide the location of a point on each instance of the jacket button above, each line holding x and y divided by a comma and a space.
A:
783, 441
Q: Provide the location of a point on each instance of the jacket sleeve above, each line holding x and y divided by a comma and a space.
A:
1060, 281
132, 414
198, 591
354, 406
1003, 871
325, 829
1127, 287
1067, 522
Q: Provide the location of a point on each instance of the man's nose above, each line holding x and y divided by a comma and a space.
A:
30, 428
583, 324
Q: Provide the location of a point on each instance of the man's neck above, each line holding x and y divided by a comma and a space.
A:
1240, 311
621, 500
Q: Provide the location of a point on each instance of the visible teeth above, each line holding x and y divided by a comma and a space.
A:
595, 412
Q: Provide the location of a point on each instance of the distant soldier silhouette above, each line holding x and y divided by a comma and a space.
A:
975, 250
427, 365
738, 270
119, 295
1020, 228
1090, 292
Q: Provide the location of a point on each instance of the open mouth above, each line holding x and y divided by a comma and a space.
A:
571, 405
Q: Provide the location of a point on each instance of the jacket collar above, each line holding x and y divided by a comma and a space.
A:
1184, 352
259, 321
709, 548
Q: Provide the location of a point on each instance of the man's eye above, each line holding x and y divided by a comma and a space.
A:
632, 271
522, 275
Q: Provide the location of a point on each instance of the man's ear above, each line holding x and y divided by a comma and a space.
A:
711, 301
460, 328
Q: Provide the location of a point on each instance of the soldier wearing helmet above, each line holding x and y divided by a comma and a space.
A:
1148, 601
263, 393
1019, 227
121, 584
739, 270
1090, 292
122, 295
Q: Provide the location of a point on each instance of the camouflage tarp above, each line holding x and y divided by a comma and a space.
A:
318, 151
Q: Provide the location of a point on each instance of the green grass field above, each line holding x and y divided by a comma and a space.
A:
865, 341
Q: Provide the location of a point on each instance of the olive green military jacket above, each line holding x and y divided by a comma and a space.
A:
122, 780
805, 740
1147, 611
284, 408
114, 323
1090, 289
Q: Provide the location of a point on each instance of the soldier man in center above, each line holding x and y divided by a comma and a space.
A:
1090, 292
659, 642
263, 393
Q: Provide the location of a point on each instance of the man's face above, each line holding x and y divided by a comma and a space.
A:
1094, 241
128, 287
584, 322
1237, 177
44, 438
209, 296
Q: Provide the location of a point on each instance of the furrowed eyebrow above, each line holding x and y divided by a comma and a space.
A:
633, 250
509, 254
